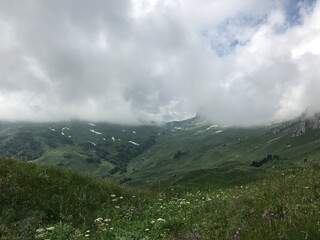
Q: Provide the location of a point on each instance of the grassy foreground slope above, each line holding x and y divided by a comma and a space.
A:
49, 203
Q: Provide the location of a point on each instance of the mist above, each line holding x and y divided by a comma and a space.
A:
248, 62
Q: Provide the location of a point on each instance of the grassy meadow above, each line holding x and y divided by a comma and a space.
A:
50, 203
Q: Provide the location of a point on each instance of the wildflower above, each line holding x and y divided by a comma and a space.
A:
107, 220
233, 235
120, 197
40, 230
152, 222
161, 220
147, 230
193, 235
88, 231
98, 220
113, 195
111, 228
117, 207
267, 216
114, 200
237, 235
87, 235
50, 228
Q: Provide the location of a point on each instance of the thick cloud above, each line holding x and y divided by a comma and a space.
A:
235, 62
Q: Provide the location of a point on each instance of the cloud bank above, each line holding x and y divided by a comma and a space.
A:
235, 62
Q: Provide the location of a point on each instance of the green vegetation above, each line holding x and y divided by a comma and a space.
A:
174, 153
193, 180
50, 203
23, 145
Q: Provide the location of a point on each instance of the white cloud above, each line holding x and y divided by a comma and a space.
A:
237, 62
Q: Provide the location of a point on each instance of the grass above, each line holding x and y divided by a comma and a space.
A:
50, 203
182, 149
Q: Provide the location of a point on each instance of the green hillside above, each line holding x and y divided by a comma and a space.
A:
98, 149
191, 148
193, 152
51, 203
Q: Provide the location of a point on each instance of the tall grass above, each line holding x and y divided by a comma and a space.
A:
49, 203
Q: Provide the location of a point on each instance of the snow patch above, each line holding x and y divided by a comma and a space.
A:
213, 126
219, 131
52, 129
92, 143
92, 124
93, 131
134, 132
65, 128
103, 139
62, 133
113, 139
134, 143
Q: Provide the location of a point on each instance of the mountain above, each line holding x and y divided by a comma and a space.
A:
200, 181
191, 152
98, 149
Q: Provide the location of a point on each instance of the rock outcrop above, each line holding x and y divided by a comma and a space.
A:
307, 125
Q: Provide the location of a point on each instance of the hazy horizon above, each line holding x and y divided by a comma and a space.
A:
235, 63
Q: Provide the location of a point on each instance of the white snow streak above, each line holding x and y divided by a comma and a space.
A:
134, 143
93, 131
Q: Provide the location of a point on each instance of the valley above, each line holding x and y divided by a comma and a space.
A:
193, 152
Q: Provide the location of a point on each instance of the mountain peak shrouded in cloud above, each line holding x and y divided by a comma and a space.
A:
235, 62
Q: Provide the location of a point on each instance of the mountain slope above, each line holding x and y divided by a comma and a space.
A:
98, 149
174, 153
188, 148
51, 203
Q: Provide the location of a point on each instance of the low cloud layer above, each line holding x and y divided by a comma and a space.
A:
235, 62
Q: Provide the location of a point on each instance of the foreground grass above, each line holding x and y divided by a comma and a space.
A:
49, 203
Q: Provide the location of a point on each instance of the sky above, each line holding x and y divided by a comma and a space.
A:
233, 62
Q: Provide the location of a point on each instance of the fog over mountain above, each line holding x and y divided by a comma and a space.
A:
235, 62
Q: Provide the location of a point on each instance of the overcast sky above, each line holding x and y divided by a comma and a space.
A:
234, 62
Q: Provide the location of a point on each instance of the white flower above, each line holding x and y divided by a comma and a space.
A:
50, 228
40, 230
98, 220
113, 195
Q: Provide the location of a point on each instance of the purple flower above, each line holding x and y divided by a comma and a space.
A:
193, 234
